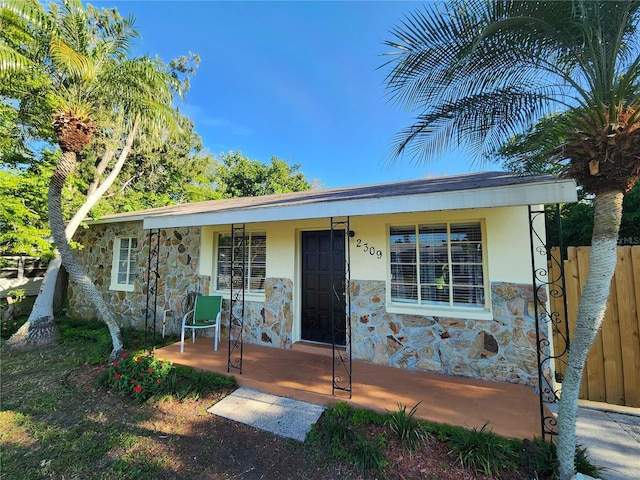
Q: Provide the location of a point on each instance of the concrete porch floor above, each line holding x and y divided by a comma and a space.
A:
305, 374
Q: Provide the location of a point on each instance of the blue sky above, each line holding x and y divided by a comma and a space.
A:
296, 80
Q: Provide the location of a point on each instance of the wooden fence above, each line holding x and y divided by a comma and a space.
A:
612, 372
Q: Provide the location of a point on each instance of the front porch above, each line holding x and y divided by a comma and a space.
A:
305, 374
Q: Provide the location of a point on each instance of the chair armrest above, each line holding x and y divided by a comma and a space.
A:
184, 318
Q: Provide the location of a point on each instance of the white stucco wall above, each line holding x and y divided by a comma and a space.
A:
506, 230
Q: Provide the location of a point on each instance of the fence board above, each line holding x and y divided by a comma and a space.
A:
611, 372
628, 293
595, 359
611, 350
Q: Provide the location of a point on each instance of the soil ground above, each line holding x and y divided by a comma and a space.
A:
203, 446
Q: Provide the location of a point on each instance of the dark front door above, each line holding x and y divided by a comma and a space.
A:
322, 279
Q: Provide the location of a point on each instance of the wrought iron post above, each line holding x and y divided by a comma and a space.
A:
150, 312
552, 327
342, 358
239, 252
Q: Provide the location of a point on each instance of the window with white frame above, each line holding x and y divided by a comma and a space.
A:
124, 269
255, 253
439, 265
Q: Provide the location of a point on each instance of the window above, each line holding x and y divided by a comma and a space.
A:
439, 264
124, 270
255, 251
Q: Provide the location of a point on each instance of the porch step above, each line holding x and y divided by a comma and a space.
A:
315, 348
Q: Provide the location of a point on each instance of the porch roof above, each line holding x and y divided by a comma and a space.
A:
473, 190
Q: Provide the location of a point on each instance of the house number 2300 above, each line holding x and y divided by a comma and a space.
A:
370, 249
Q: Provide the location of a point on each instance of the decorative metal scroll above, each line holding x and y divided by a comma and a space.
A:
239, 252
341, 323
552, 328
150, 311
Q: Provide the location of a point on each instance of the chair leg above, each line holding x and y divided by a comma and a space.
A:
216, 336
182, 340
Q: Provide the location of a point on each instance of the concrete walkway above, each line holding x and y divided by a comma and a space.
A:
611, 435
283, 416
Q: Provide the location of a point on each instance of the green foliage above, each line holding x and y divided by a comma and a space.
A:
342, 430
484, 451
74, 59
13, 324
368, 417
185, 382
412, 433
139, 375
369, 456
546, 458
23, 221
237, 176
577, 221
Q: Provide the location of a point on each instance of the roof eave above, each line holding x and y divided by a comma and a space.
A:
535, 193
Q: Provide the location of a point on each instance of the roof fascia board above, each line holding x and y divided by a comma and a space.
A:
561, 191
121, 219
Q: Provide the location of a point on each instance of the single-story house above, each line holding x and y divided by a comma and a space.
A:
435, 274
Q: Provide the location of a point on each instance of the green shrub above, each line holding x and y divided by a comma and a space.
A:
341, 432
338, 426
139, 375
368, 456
185, 382
368, 417
484, 451
13, 324
412, 433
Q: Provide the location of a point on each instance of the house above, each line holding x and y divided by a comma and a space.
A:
21, 272
433, 274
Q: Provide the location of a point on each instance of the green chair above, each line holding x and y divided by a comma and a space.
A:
206, 313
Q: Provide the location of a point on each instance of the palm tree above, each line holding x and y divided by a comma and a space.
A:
82, 80
480, 72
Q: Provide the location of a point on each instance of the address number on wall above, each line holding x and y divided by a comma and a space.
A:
368, 248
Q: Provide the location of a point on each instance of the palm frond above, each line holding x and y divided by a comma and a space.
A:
454, 63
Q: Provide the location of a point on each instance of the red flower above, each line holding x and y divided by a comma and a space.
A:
125, 354
117, 376
161, 362
115, 364
142, 374
137, 388
159, 381
150, 370
133, 380
139, 359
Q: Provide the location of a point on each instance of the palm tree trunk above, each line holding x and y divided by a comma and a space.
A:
591, 310
40, 328
76, 272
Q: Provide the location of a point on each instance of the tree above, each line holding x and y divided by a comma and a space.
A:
480, 72
535, 152
86, 85
237, 176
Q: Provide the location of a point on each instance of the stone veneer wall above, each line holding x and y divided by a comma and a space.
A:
501, 349
269, 323
178, 267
